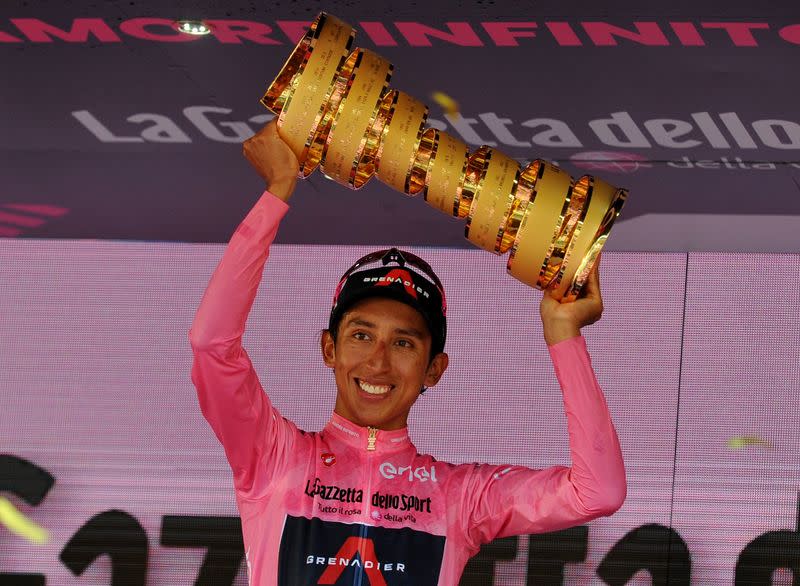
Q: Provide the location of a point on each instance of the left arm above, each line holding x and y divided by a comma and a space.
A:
512, 500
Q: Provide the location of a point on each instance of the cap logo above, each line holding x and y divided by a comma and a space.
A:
399, 276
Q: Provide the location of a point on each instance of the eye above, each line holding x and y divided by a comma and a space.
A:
359, 335
405, 343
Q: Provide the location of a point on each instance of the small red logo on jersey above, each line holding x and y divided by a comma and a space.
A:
328, 459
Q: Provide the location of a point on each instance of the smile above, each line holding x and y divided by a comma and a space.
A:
373, 389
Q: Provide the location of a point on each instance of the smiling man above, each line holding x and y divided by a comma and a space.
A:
385, 338
356, 503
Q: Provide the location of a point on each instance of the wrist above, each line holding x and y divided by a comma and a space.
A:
558, 331
282, 188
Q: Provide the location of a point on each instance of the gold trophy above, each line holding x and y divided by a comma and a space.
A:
336, 111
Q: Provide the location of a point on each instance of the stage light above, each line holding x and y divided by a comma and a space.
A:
193, 27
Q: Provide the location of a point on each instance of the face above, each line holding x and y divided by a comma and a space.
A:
381, 361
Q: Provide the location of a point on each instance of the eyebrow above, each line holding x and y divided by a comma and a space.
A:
413, 332
355, 321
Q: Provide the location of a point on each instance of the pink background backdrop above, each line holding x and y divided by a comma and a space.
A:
692, 351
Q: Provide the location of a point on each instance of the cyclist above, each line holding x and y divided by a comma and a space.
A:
356, 502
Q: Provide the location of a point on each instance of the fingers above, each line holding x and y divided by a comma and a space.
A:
265, 134
594, 276
272, 158
267, 138
592, 286
270, 128
593, 293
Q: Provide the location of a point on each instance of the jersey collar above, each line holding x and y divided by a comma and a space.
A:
358, 437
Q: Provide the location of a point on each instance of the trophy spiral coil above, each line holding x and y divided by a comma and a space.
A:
336, 111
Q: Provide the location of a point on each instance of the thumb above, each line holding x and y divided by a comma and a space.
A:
591, 288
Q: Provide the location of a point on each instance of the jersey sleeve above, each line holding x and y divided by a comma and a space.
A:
499, 501
254, 435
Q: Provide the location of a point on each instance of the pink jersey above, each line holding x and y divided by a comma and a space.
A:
349, 503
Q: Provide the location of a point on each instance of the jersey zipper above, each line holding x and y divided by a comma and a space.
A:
371, 438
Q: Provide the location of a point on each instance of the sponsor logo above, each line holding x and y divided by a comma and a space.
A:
421, 473
518, 32
734, 163
347, 552
328, 459
377, 516
339, 426
617, 161
333, 493
606, 142
401, 502
398, 276
400, 518
346, 557
338, 510
159, 128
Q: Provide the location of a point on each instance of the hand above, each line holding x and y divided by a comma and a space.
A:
565, 320
273, 160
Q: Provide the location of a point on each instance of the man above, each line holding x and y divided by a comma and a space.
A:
355, 503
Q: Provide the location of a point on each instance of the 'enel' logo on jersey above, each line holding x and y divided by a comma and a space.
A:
389, 471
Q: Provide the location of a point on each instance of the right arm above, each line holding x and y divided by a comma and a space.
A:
230, 394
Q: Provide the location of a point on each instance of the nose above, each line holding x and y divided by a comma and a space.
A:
378, 359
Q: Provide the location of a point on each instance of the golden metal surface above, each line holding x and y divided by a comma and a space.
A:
417, 180
373, 141
444, 178
336, 110
400, 141
492, 202
319, 139
476, 169
569, 227
300, 93
522, 195
355, 117
541, 223
604, 203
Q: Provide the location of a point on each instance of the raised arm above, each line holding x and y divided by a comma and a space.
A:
511, 500
227, 301
230, 394
598, 472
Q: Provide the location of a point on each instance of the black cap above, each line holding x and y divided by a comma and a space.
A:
401, 276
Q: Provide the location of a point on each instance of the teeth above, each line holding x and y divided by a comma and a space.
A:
374, 389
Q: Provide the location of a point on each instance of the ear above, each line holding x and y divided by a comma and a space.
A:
328, 348
436, 369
